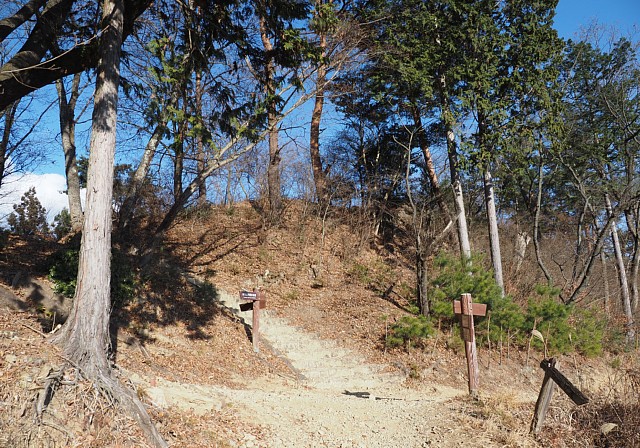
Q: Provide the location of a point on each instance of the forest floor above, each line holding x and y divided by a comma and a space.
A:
322, 377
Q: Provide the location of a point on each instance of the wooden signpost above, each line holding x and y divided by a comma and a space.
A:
255, 300
552, 376
467, 309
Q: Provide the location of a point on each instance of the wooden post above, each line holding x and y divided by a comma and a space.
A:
466, 308
544, 398
256, 302
470, 343
552, 376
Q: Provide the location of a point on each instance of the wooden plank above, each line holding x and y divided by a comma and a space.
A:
572, 391
248, 295
246, 306
479, 309
544, 398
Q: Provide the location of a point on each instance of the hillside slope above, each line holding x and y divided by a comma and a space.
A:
323, 376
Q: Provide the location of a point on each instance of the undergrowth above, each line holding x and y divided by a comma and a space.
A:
611, 419
63, 272
564, 328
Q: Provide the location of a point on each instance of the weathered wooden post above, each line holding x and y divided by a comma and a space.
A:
544, 398
552, 376
467, 309
256, 302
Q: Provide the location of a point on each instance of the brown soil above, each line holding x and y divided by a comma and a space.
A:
190, 358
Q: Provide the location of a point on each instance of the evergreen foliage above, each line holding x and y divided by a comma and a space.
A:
565, 328
62, 223
63, 273
454, 277
409, 331
29, 217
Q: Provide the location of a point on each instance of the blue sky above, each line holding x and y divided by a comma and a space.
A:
571, 17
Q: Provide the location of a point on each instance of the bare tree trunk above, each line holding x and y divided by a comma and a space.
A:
200, 155
605, 277
274, 184
458, 196
522, 241
494, 238
420, 245
9, 117
536, 226
319, 175
68, 132
580, 230
633, 221
85, 335
422, 276
622, 275
127, 209
178, 161
428, 160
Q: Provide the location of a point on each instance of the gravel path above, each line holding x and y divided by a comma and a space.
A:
337, 400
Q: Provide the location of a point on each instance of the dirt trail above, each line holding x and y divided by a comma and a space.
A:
336, 400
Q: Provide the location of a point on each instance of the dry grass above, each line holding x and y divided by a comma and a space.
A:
615, 402
309, 270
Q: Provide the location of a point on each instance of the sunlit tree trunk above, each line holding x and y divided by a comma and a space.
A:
428, 161
200, 155
319, 175
274, 184
9, 117
633, 221
622, 276
85, 335
456, 185
494, 237
68, 133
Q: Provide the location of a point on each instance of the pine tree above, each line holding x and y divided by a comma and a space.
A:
29, 217
62, 223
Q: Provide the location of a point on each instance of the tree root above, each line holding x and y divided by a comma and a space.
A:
110, 388
132, 404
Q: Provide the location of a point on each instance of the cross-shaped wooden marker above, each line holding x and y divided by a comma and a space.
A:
467, 309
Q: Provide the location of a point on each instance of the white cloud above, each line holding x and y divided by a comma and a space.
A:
49, 190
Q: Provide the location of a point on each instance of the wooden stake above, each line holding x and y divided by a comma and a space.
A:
544, 398
466, 309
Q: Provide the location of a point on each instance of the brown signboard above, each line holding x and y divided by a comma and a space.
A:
479, 309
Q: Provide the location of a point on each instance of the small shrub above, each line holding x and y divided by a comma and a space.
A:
588, 332
4, 238
565, 328
551, 318
409, 331
455, 343
64, 271
359, 273
62, 224
454, 278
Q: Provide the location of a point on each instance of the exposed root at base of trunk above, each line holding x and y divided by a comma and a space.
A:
130, 402
112, 394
